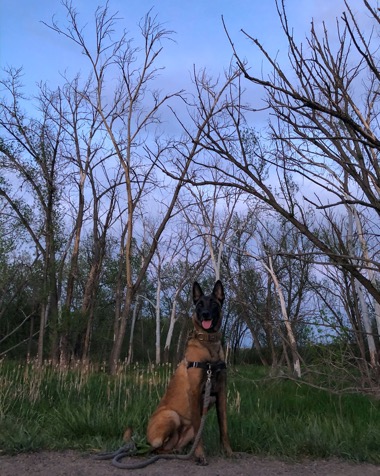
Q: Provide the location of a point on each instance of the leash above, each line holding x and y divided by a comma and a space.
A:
130, 448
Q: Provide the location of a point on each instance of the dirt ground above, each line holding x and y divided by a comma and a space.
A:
72, 463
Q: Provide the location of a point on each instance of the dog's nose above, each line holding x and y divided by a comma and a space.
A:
205, 315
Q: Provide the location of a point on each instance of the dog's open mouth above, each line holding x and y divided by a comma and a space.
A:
207, 324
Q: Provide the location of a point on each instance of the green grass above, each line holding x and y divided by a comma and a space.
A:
52, 408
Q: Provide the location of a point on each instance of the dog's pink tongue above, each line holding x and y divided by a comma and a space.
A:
206, 324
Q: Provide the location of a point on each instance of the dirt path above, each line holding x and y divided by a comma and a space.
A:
72, 463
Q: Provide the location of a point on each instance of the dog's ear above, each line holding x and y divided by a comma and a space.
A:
218, 291
197, 292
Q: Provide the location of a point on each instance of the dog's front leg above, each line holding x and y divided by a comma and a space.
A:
196, 412
199, 450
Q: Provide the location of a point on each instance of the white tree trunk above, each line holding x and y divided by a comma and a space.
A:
44, 316
158, 322
131, 336
288, 326
367, 324
352, 213
173, 320
370, 271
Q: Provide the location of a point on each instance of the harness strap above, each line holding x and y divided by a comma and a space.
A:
213, 366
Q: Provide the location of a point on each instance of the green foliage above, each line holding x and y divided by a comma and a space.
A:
84, 408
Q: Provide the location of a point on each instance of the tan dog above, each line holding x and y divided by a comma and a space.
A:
176, 421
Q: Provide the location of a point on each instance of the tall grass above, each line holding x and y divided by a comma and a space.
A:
287, 419
86, 409
59, 408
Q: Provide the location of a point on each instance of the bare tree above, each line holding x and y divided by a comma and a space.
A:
81, 149
187, 261
31, 150
211, 216
245, 281
130, 116
323, 131
323, 136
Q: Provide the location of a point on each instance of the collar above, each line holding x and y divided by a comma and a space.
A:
206, 337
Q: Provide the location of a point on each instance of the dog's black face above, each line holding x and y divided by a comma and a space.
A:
208, 308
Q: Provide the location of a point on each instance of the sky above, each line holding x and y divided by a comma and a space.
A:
199, 39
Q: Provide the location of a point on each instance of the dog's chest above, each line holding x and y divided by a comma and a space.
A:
216, 353
204, 351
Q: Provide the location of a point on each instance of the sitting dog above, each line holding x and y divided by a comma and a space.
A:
176, 421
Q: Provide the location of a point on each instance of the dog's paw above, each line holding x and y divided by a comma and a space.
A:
228, 452
240, 455
201, 461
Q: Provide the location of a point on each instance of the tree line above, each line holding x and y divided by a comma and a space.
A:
107, 219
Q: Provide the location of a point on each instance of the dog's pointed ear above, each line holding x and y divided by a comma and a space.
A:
197, 292
218, 291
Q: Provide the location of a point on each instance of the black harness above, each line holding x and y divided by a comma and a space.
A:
212, 366
212, 370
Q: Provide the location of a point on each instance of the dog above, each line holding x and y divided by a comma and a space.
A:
177, 419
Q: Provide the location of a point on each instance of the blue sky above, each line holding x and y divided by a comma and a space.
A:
200, 39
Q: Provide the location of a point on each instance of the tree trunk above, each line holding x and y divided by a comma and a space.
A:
88, 335
367, 325
41, 336
352, 214
268, 324
30, 340
158, 320
370, 271
136, 310
119, 336
72, 276
290, 335
173, 320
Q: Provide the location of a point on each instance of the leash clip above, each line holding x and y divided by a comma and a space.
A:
209, 372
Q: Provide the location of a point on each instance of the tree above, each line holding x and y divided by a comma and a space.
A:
246, 282
187, 261
130, 117
31, 151
323, 132
211, 218
92, 195
323, 138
